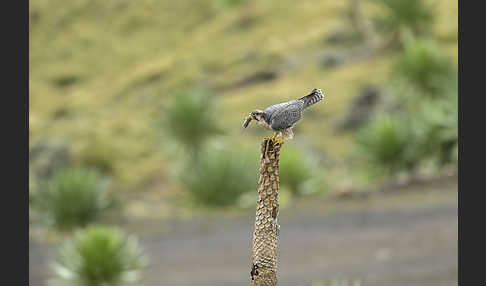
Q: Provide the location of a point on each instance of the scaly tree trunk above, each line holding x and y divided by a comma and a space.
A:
265, 235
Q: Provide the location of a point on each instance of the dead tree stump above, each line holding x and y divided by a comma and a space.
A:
265, 236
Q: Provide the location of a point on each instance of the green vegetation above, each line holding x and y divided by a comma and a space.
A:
297, 172
406, 16
423, 125
385, 144
99, 256
114, 77
423, 66
436, 130
410, 137
399, 143
103, 74
73, 197
192, 119
219, 178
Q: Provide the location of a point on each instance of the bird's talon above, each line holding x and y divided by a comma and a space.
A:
274, 137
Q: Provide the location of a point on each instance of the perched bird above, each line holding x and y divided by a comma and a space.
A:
282, 117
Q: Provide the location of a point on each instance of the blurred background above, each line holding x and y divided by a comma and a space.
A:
140, 172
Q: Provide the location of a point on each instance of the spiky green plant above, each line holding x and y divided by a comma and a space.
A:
219, 178
99, 256
74, 197
192, 118
384, 143
423, 66
436, 129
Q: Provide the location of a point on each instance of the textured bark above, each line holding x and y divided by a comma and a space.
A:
265, 235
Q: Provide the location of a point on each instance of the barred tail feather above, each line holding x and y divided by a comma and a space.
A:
312, 98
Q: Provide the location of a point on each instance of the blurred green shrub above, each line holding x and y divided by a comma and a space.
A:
436, 129
192, 119
385, 144
405, 16
298, 173
219, 178
405, 140
99, 256
425, 68
73, 197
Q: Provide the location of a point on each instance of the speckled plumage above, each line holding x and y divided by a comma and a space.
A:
283, 116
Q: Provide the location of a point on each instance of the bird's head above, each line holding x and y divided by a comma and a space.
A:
257, 115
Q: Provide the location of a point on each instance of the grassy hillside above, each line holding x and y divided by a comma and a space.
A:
102, 72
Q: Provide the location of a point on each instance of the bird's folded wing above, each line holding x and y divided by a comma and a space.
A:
286, 116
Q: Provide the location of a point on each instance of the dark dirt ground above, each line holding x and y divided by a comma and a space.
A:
405, 238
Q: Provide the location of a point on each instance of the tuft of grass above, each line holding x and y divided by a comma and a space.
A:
192, 119
425, 68
384, 144
99, 255
73, 197
436, 129
219, 178
405, 16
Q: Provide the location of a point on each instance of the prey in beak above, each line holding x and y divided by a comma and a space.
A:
247, 122
254, 115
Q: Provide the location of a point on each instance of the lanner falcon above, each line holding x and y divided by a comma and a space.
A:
281, 117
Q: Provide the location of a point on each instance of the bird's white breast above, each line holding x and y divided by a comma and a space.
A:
264, 124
